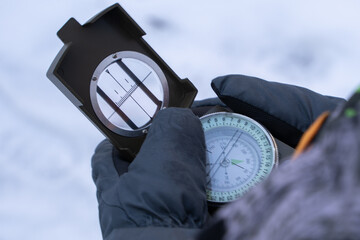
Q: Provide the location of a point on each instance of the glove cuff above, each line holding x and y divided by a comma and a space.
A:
153, 233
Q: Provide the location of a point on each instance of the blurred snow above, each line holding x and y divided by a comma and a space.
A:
46, 191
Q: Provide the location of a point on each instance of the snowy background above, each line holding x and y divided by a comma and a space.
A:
46, 191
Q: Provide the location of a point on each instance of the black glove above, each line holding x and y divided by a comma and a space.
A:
285, 110
161, 194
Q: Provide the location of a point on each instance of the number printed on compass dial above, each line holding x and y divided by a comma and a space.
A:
240, 154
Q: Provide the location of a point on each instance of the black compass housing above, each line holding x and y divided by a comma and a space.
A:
110, 32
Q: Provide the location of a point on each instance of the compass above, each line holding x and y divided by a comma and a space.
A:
111, 74
240, 153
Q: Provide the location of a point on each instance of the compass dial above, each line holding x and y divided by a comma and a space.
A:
240, 154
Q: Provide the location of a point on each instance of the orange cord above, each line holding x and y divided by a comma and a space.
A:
310, 134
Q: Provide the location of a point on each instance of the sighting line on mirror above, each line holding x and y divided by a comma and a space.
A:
116, 109
127, 95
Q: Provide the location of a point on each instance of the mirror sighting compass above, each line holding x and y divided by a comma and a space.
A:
115, 78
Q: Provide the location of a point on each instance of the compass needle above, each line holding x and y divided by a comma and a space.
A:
234, 161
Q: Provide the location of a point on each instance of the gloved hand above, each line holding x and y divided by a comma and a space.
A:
161, 194
313, 197
285, 110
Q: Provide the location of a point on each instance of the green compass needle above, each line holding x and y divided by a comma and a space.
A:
234, 161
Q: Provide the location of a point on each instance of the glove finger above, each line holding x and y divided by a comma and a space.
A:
104, 172
285, 110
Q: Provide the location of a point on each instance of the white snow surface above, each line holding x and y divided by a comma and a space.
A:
46, 190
